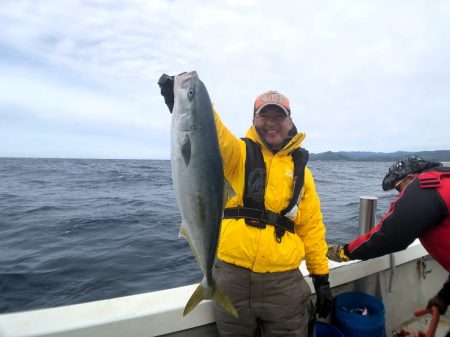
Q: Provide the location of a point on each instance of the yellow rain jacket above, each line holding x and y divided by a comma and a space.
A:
255, 248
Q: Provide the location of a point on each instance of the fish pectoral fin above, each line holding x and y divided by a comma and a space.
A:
217, 295
220, 297
186, 150
185, 233
228, 192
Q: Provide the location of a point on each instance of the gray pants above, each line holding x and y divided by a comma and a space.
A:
274, 304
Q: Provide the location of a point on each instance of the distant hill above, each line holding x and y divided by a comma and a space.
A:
439, 155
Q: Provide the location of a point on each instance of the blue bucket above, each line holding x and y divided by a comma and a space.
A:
327, 330
359, 315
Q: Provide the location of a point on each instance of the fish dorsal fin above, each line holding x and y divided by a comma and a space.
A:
185, 233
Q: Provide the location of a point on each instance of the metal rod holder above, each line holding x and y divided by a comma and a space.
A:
367, 212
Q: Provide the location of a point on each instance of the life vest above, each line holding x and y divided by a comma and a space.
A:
253, 209
436, 240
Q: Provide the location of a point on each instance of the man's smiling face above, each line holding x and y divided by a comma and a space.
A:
273, 125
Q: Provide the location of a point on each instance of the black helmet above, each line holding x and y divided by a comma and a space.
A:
401, 168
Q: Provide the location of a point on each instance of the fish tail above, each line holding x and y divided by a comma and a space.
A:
195, 299
218, 295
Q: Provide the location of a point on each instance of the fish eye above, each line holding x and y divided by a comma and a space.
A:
190, 93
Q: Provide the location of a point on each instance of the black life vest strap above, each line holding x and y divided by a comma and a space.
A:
255, 175
300, 157
260, 218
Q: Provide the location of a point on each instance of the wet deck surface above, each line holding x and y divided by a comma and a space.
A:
422, 323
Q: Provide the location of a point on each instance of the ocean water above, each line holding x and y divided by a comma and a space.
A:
78, 230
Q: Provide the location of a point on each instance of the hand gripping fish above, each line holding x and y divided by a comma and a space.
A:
198, 179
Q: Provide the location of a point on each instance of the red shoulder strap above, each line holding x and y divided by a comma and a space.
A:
431, 179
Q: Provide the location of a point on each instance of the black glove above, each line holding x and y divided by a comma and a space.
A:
437, 301
323, 295
165, 83
442, 298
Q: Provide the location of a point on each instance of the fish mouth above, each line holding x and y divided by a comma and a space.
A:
187, 76
184, 80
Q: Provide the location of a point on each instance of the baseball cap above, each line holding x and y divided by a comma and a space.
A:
272, 97
407, 165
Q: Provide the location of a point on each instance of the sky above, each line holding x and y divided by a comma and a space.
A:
79, 78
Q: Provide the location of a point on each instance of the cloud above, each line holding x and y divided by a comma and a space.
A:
360, 75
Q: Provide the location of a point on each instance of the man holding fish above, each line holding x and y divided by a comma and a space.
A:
271, 221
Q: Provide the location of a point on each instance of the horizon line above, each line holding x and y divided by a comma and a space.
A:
124, 158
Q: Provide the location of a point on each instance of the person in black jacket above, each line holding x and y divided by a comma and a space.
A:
421, 210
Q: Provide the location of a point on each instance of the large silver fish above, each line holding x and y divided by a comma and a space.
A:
198, 180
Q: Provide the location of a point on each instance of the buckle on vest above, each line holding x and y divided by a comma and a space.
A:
272, 218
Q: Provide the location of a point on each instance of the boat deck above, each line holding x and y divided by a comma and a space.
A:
422, 323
